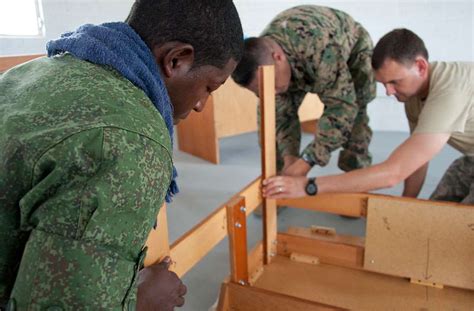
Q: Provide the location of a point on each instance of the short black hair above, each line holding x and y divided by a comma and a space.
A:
212, 27
256, 52
401, 45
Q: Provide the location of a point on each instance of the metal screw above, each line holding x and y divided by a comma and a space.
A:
238, 225
372, 261
272, 254
241, 282
243, 209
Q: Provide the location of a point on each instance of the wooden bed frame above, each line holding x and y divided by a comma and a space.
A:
416, 255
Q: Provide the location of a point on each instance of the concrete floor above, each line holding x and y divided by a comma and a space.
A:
205, 186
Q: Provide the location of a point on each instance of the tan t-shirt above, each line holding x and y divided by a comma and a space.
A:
449, 107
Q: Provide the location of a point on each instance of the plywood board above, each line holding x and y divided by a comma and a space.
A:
311, 109
358, 289
418, 240
197, 134
235, 109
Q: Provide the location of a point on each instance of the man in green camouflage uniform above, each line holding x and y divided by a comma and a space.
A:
323, 51
86, 154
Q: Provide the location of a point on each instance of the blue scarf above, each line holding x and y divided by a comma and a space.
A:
119, 46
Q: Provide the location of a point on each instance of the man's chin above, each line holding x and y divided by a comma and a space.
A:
176, 121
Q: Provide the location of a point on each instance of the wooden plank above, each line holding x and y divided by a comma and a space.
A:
311, 108
422, 241
7, 62
304, 258
255, 263
252, 195
223, 303
349, 204
235, 110
158, 242
337, 238
309, 126
237, 230
266, 82
197, 134
240, 298
331, 253
357, 289
191, 247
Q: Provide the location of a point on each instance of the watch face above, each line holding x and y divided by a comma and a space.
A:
310, 189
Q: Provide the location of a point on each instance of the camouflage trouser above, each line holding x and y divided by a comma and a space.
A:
355, 153
457, 184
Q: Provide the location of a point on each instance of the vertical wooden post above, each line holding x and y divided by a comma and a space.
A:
237, 229
158, 241
266, 82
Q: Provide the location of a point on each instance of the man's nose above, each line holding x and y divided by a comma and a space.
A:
200, 105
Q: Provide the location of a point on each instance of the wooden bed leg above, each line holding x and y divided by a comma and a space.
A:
266, 82
237, 229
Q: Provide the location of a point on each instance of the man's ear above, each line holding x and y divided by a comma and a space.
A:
277, 56
174, 58
422, 65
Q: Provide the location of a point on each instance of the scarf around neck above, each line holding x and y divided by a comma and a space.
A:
119, 46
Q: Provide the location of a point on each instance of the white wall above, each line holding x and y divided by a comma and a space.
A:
447, 27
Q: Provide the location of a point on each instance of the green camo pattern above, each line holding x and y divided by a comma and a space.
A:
85, 162
330, 55
457, 184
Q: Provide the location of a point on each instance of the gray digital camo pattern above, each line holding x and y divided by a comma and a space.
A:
85, 165
457, 184
329, 54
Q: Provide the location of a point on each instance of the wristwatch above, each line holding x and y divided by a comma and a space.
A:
305, 157
311, 187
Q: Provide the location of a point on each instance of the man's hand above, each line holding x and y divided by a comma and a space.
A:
284, 187
159, 289
297, 168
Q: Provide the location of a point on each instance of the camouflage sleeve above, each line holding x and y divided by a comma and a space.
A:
288, 128
339, 98
93, 201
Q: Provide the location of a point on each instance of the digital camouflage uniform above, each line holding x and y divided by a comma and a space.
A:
85, 165
330, 55
457, 184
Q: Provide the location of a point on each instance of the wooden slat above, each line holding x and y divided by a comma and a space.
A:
433, 244
266, 81
240, 298
191, 247
158, 242
7, 62
197, 134
255, 262
337, 238
237, 230
349, 204
331, 253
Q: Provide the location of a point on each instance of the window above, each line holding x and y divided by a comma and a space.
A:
21, 18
